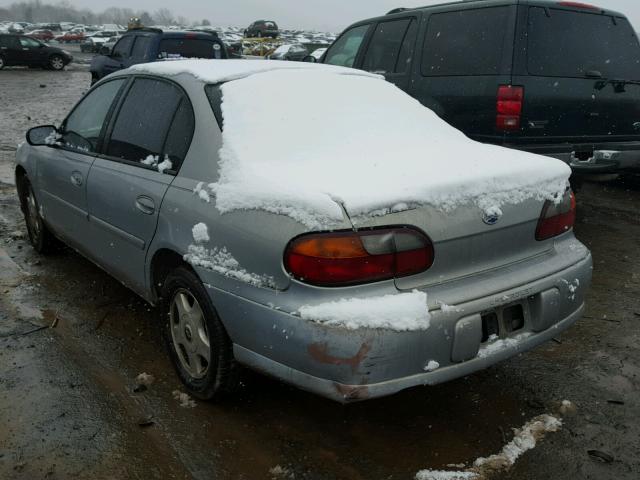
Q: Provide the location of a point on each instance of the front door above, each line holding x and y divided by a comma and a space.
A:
63, 168
32, 51
127, 184
120, 55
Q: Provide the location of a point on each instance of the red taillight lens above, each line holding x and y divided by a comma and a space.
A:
349, 258
557, 219
509, 107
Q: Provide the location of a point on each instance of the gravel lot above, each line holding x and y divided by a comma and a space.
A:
68, 407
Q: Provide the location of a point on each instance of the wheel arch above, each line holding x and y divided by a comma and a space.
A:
163, 262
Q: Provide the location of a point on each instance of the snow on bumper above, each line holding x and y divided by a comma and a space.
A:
355, 364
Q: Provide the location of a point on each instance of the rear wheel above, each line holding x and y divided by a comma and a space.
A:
56, 62
198, 343
41, 238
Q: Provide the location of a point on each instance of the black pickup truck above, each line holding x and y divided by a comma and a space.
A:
558, 78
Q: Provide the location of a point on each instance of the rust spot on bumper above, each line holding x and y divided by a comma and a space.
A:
320, 353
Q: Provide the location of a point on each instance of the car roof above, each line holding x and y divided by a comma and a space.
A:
470, 4
201, 34
218, 71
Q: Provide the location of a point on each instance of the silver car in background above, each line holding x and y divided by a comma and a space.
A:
124, 181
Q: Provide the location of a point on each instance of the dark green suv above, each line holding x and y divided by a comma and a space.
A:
558, 78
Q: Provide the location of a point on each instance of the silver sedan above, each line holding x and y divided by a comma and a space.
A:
350, 304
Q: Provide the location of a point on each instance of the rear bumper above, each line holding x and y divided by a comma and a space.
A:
351, 365
596, 158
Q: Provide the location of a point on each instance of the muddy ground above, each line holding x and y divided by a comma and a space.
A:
68, 408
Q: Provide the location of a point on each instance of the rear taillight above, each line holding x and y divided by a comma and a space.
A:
557, 219
509, 107
348, 258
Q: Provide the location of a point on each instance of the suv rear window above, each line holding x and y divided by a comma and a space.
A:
189, 48
465, 42
563, 43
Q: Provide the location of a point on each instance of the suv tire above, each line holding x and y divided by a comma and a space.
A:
198, 344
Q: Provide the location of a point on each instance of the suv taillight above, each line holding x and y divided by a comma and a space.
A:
509, 107
557, 219
342, 258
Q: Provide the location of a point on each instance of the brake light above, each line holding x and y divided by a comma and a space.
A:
348, 258
509, 107
557, 219
579, 5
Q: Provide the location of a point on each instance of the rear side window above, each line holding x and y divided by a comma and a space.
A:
384, 48
189, 48
563, 43
180, 134
465, 42
143, 121
345, 49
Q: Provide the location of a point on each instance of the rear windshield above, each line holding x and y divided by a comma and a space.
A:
189, 48
564, 43
465, 42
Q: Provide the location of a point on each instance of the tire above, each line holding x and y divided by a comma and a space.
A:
2, 64
40, 237
56, 62
188, 317
259, 35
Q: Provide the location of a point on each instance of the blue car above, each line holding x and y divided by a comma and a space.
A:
145, 45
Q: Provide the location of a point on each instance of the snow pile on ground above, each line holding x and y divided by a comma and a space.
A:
525, 438
444, 475
399, 312
145, 379
496, 344
380, 151
184, 399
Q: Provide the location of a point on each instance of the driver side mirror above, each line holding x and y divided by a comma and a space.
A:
104, 50
43, 135
310, 59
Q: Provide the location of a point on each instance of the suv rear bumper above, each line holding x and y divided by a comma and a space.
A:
594, 158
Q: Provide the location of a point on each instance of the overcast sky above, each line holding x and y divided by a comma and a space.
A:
331, 15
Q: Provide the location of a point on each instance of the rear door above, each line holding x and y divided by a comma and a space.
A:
571, 55
145, 147
466, 54
390, 50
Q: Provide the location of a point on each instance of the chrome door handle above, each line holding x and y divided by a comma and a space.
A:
76, 179
145, 204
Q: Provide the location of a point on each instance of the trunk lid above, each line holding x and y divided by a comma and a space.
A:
467, 242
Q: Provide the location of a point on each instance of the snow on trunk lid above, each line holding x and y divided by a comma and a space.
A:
380, 151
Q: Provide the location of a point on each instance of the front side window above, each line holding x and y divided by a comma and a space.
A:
27, 42
569, 44
123, 47
384, 48
81, 130
345, 49
465, 42
143, 122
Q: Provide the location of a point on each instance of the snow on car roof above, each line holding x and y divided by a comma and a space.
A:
380, 151
225, 70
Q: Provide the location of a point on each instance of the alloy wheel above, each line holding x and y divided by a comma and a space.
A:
189, 333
